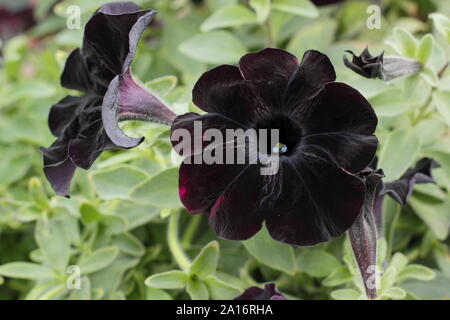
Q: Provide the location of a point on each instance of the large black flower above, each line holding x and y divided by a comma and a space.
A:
270, 292
87, 125
326, 133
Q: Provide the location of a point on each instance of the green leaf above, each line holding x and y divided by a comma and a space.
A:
89, 213
84, 293
345, 294
437, 289
317, 263
219, 290
298, 7
197, 290
26, 270
262, 9
399, 261
205, 263
388, 278
214, 47
435, 215
55, 247
339, 276
160, 190
271, 253
391, 102
393, 293
116, 183
37, 193
424, 49
399, 153
168, 280
156, 294
418, 272
230, 16
98, 260
442, 24
162, 86
405, 42
129, 244
441, 100
430, 76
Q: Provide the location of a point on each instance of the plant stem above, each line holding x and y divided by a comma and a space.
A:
174, 243
268, 33
191, 230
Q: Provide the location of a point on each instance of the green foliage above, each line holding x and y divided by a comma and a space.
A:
115, 226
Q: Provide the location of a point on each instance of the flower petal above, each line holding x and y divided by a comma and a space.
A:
341, 121
127, 100
269, 292
401, 189
110, 40
190, 122
268, 72
300, 214
64, 112
237, 214
75, 75
314, 72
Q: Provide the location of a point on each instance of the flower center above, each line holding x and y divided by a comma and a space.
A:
283, 135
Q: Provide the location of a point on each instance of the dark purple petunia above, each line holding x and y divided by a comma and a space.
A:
326, 133
14, 22
381, 67
87, 125
269, 292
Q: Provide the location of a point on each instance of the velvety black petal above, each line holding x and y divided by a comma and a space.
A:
75, 74
237, 213
311, 199
341, 121
110, 40
223, 90
269, 292
314, 72
127, 100
200, 185
401, 189
64, 112
363, 234
267, 73
188, 123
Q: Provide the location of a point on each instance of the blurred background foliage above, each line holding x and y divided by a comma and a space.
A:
120, 222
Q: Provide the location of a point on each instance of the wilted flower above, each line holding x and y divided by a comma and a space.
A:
401, 189
87, 125
269, 292
364, 233
326, 133
381, 67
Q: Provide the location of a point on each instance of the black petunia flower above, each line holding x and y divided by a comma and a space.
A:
381, 67
326, 133
87, 125
321, 3
269, 292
